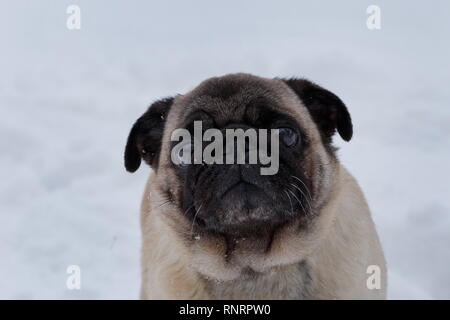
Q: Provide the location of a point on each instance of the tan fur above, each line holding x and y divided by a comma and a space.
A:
326, 260
339, 262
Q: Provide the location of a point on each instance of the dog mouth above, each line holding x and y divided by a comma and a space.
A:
236, 201
242, 187
243, 208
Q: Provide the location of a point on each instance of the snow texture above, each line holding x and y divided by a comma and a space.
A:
69, 97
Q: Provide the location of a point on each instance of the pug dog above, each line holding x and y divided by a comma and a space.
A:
225, 231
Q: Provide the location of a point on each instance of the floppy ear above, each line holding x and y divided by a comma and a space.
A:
326, 109
144, 140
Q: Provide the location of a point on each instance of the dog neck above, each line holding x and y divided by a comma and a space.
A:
284, 282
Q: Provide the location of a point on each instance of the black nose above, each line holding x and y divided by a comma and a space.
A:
241, 177
244, 147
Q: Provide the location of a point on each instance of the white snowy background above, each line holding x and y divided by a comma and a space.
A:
68, 99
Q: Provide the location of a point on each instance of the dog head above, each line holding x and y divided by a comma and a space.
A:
234, 200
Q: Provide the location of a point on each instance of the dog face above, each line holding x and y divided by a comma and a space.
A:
236, 200
233, 198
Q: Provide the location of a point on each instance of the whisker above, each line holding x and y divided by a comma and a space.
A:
297, 199
184, 213
303, 194
290, 201
193, 220
160, 205
306, 187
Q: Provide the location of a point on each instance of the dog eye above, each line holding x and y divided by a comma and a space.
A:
184, 154
288, 136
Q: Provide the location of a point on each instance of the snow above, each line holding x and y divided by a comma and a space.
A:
69, 97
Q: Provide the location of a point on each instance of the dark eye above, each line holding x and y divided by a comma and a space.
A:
288, 136
184, 155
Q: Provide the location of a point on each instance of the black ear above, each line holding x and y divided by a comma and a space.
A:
144, 140
326, 109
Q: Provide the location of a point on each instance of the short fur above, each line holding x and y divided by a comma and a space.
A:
320, 249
